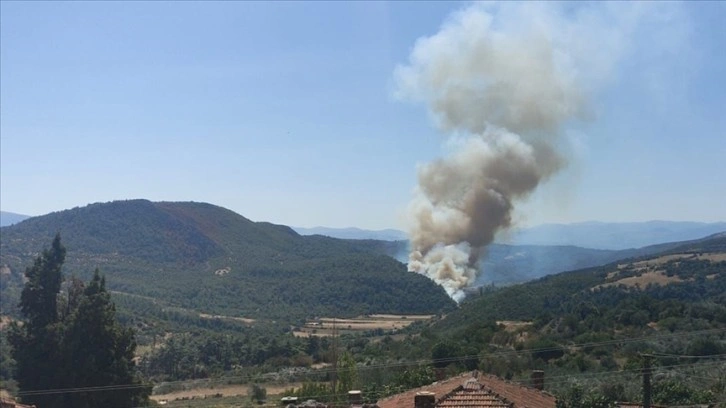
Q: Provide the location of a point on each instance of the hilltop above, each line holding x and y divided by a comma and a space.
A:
206, 258
354, 233
590, 234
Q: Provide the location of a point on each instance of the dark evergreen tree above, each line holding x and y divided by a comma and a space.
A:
99, 352
84, 348
39, 299
35, 343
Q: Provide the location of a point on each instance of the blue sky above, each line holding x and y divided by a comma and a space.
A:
284, 112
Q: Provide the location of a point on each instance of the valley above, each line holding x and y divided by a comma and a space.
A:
289, 311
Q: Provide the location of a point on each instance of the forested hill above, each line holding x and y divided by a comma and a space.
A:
591, 330
692, 273
204, 257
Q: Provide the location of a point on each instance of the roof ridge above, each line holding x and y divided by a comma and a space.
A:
518, 384
435, 383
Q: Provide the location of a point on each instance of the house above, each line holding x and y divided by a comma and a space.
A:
472, 390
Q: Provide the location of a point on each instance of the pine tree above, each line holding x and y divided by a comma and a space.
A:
100, 352
83, 348
35, 343
39, 299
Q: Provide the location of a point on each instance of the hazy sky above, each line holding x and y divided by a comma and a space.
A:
285, 112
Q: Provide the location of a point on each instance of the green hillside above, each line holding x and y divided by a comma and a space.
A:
591, 329
206, 258
699, 280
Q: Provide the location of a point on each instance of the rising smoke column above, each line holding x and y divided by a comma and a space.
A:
501, 89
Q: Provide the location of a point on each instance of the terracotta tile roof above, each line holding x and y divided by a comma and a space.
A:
475, 390
472, 395
520, 395
405, 399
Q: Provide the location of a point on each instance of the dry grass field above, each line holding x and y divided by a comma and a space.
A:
239, 319
649, 272
326, 326
653, 277
224, 391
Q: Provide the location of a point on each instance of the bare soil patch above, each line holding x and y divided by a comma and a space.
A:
239, 319
401, 317
714, 257
226, 391
513, 325
653, 277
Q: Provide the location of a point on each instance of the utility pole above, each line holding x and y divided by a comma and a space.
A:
647, 389
334, 380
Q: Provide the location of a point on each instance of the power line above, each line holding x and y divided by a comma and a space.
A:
686, 356
83, 389
611, 373
566, 378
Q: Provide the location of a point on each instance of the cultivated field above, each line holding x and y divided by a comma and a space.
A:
208, 393
327, 326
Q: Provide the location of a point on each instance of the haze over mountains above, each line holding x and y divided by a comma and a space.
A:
612, 235
591, 234
354, 233
9, 218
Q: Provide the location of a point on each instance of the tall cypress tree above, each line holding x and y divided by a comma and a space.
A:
100, 352
83, 348
35, 343
39, 299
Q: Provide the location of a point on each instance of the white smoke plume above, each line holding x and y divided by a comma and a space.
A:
502, 81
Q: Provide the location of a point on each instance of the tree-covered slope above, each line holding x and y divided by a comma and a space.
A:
208, 258
693, 271
591, 330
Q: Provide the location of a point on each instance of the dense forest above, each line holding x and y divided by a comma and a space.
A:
202, 257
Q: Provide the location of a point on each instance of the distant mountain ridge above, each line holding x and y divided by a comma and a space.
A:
605, 235
354, 233
10, 218
591, 234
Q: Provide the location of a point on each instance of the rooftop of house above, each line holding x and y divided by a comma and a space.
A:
475, 390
